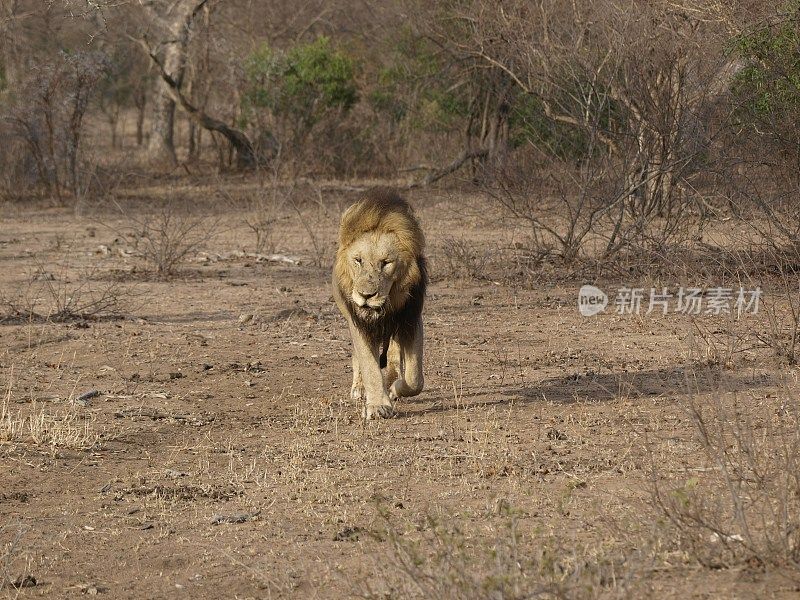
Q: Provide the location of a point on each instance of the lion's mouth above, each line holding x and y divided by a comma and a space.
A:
371, 312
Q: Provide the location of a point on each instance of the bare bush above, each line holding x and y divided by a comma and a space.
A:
18, 173
54, 293
743, 506
47, 115
565, 210
441, 561
463, 259
265, 211
316, 219
168, 238
783, 316
769, 260
261, 221
719, 345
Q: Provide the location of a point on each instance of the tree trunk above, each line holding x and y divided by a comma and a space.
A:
246, 155
192, 141
161, 146
193, 128
10, 33
176, 24
141, 103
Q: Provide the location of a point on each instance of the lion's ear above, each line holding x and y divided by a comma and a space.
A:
348, 212
345, 231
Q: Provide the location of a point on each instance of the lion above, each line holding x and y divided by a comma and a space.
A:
379, 280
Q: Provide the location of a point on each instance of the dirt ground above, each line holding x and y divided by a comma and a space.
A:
223, 458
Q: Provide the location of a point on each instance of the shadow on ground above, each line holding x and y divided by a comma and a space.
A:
596, 387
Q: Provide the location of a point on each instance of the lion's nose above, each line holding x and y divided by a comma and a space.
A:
368, 296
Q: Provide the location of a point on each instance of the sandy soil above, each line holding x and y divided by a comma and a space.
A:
222, 457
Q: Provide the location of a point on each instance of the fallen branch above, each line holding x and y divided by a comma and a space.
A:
451, 168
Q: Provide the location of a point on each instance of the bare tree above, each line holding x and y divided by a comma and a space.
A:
238, 139
171, 24
654, 68
48, 116
634, 85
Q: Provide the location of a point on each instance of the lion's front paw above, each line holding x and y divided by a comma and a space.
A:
378, 411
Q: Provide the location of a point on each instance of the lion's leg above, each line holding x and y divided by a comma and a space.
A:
357, 389
393, 367
368, 356
412, 381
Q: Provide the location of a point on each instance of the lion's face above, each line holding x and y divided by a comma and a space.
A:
373, 263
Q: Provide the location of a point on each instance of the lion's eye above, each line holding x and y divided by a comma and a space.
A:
385, 263
357, 261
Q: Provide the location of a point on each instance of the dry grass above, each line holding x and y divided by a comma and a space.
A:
15, 564
12, 426
440, 557
741, 507
64, 426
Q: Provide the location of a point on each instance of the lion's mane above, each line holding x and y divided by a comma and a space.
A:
382, 210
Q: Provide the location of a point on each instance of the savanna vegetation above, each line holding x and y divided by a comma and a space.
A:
174, 414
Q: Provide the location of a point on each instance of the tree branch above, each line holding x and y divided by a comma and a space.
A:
246, 154
451, 168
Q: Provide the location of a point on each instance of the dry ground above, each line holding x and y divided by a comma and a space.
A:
223, 397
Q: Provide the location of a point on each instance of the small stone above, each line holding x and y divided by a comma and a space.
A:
24, 581
234, 518
173, 474
84, 399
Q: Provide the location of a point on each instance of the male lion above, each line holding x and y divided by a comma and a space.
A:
379, 280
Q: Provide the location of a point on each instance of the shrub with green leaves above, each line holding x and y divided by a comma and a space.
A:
300, 86
416, 85
768, 87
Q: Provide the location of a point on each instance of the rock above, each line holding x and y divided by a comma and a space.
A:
83, 399
24, 581
234, 518
173, 474
348, 534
